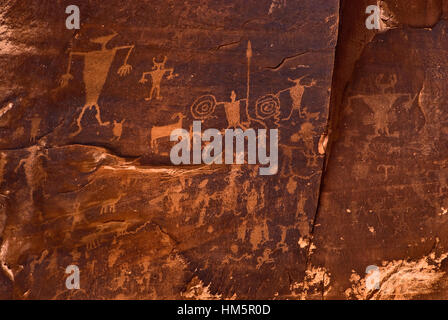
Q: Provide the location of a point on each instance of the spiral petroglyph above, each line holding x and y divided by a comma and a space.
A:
203, 107
267, 106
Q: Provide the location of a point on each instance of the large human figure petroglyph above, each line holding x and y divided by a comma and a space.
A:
157, 73
96, 68
381, 103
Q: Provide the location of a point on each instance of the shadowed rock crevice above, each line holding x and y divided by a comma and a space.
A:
382, 201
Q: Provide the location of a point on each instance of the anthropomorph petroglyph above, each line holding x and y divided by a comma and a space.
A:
296, 93
267, 106
96, 68
78, 215
232, 110
33, 167
157, 73
305, 135
381, 104
204, 107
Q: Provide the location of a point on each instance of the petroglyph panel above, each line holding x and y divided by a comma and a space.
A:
85, 124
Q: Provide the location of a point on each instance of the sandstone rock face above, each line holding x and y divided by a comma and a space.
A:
86, 177
383, 198
86, 174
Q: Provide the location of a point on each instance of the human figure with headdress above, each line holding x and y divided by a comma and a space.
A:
96, 68
157, 73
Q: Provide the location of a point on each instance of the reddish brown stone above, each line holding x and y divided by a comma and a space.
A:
99, 191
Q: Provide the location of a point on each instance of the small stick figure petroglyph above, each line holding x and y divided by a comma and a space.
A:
157, 73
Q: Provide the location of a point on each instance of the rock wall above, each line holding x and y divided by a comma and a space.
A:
86, 123
86, 177
383, 198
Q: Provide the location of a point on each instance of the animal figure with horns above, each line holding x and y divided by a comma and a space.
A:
157, 73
